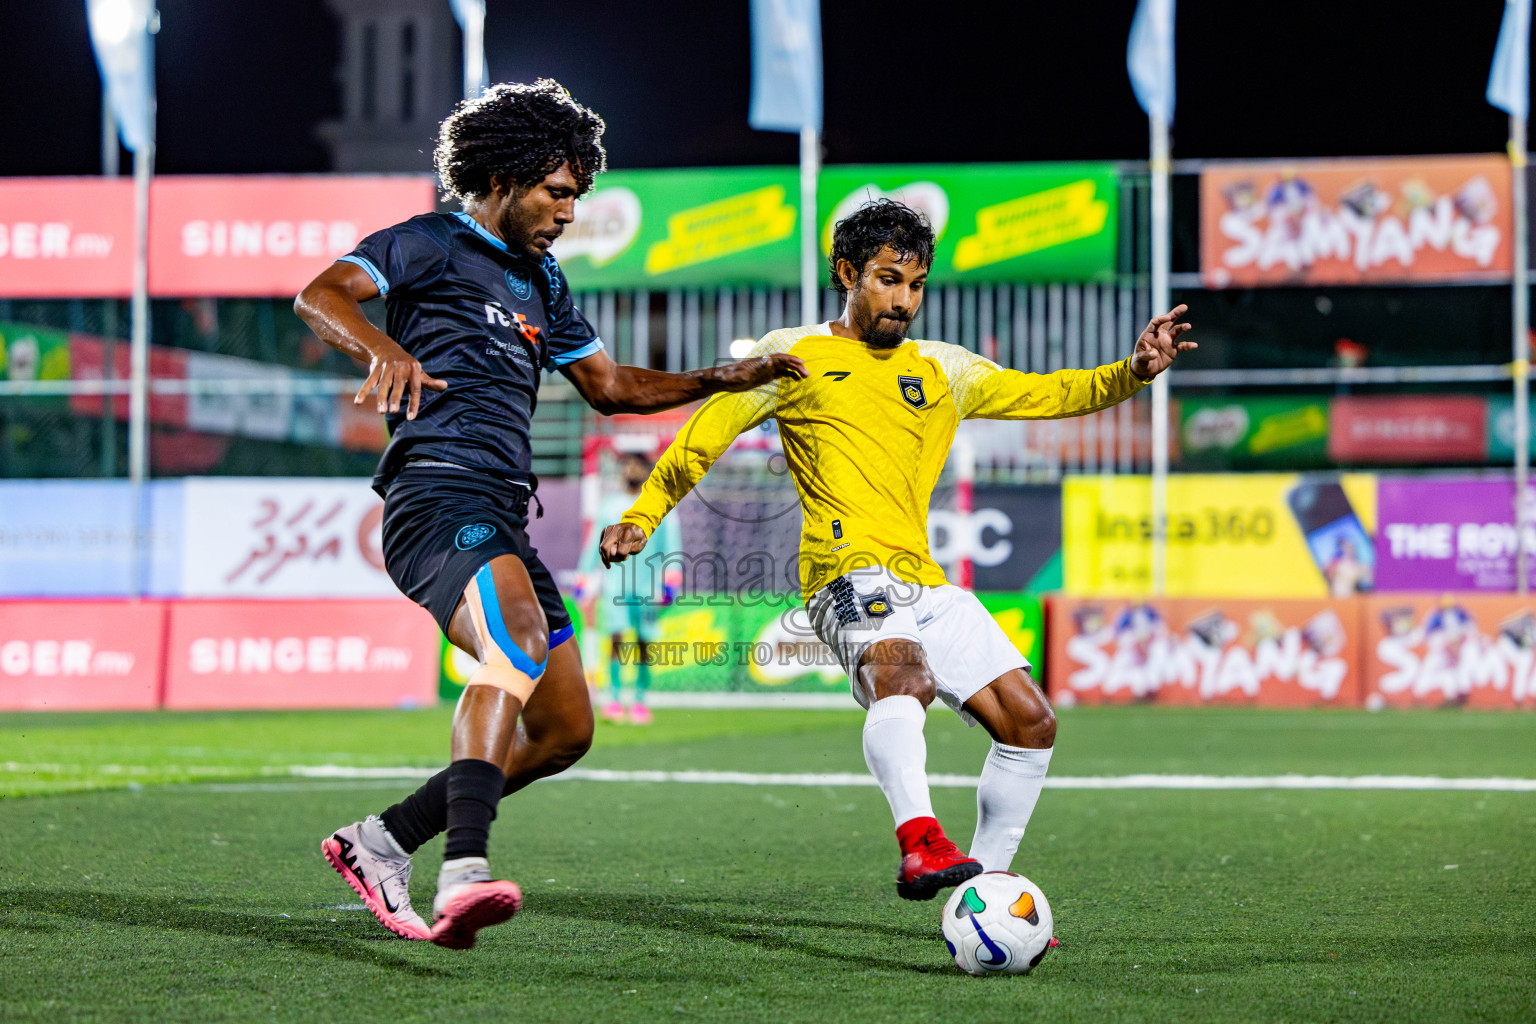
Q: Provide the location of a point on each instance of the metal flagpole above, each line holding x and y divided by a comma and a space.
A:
474, 48
1521, 311
1160, 304
138, 387
810, 278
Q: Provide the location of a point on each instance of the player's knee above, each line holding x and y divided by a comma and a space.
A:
526, 629
1044, 728
516, 629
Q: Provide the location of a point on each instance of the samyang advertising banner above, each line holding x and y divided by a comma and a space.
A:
1170, 651
1368, 221
1450, 650
1261, 535
994, 222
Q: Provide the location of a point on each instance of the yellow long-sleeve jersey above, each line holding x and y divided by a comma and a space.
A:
865, 435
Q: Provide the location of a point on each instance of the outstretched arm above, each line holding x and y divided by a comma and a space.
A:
330, 306
611, 388
706, 435
984, 390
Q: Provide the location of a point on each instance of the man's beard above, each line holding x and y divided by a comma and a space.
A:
886, 331
518, 232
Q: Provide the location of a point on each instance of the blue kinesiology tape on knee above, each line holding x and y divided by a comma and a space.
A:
493, 621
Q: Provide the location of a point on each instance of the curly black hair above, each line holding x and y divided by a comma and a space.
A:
523, 131
882, 222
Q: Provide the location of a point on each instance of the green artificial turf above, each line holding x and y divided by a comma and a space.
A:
659, 901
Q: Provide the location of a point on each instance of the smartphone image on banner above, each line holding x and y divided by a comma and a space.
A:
1339, 544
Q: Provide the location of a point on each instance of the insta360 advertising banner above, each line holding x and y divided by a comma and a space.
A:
1262, 535
1370, 221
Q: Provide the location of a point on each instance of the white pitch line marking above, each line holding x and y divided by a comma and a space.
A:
1139, 781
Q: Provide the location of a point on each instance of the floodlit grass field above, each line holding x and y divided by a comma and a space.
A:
166, 867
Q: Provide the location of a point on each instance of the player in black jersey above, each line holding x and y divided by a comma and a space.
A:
476, 310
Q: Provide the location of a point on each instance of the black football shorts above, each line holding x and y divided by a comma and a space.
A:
441, 525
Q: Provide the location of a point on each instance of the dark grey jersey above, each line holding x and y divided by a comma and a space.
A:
483, 319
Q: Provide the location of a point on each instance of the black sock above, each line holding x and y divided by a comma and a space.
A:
421, 815
474, 789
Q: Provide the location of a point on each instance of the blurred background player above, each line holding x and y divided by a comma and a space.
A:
626, 600
866, 434
477, 310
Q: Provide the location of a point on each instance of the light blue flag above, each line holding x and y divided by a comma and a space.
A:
120, 31
786, 65
470, 14
1509, 83
1149, 57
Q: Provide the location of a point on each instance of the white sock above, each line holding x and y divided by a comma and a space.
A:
1011, 781
897, 755
462, 871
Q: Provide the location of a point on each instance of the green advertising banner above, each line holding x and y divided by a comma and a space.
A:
685, 229
741, 226
1252, 433
744, 647
33, 353
994, 222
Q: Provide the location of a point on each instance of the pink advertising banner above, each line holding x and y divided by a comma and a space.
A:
301, 654
81, 655
228, 235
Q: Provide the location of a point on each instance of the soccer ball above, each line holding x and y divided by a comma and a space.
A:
997, 923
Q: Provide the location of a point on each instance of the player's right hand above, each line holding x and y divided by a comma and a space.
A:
619, 541
391, 372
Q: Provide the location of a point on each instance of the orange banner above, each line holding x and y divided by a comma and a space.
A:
1200, 651
1356, 221
1456, 649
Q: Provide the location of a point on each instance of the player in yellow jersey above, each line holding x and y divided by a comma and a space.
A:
865, 434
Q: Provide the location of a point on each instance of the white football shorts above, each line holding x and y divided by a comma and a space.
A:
964, 645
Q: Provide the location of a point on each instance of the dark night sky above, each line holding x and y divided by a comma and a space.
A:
241, 91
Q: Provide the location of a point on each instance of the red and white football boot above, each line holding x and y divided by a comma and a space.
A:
929, 861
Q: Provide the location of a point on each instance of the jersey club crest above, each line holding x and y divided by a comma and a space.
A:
912, 391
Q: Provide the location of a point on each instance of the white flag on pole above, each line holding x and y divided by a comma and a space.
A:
786, 65
120, 31
470, 14
1149, 57
1509, 82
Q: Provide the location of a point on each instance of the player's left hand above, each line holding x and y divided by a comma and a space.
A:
1159, 344
747, 374
619, 541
